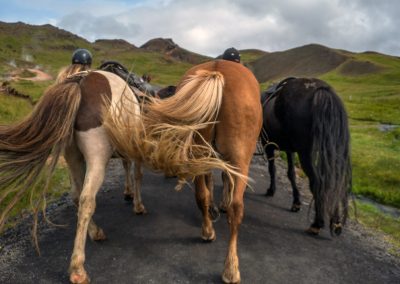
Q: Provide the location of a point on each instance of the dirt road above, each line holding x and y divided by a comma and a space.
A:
164, 246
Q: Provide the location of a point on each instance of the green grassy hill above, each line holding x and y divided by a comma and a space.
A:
308, 60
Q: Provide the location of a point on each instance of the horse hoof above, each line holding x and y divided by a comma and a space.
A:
295, 208
79, 278
128, 197
336, 229
214, 213
313, 231
223, 208
229, 277
208, 235
140, 210
98, 235
269, 193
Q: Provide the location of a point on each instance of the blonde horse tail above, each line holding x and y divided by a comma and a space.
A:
25, 147
170, 137
197, 101
70, 70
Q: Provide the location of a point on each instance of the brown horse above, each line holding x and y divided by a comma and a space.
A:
224, 97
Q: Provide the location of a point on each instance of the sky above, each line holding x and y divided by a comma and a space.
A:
210, 26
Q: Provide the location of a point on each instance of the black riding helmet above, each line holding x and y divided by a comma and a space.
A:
231, 54
82, 56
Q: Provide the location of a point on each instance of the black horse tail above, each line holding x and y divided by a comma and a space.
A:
331, 156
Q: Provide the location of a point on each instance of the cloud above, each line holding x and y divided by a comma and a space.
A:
208, 27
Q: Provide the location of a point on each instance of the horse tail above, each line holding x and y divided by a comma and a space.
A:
197, 100
26, 146
70, 70
331, 155
170, 139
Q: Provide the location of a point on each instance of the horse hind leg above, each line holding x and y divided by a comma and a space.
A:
128, 193
213, 209
336, 225
76, 165
315, 228
235, 210
134, 194
223, 206
272, 172
292, 177
203, 199
138, 206
97, 150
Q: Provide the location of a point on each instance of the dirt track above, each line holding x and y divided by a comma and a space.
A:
164, 246
40, 76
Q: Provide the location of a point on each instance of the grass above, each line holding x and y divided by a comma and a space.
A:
12, 109
371, 217
376, 160
33, 89
372, 100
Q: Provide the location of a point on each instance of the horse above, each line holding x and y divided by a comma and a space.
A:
224, 97
306, 116
70, 119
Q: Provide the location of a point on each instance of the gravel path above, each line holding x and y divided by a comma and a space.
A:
164, 246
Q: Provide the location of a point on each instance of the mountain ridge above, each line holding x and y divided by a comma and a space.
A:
30, 45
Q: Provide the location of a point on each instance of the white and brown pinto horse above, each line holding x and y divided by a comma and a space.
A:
68, 119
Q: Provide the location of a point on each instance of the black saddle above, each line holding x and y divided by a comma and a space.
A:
131, 78
273, 90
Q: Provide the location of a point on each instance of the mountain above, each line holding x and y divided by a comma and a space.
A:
115, 44
307, 60
168, 47
49, 48
27, 46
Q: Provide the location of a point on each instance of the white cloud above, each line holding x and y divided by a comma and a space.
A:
208, 27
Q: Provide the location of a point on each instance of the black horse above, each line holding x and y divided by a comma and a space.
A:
306, 116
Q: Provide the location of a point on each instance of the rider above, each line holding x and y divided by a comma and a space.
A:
231, 54
81, 61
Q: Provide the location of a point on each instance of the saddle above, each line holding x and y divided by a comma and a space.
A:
273, 90
130, 78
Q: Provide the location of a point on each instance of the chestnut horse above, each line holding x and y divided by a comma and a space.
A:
306, 116
224, 97
70, 118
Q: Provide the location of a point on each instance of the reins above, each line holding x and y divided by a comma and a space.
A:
264, 136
